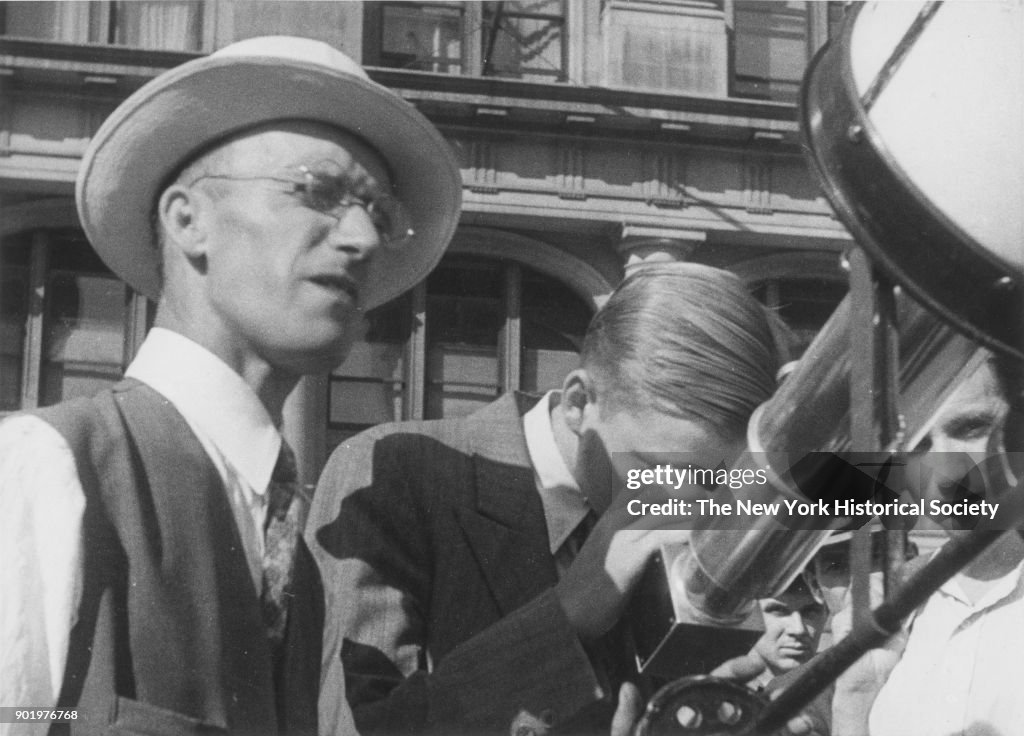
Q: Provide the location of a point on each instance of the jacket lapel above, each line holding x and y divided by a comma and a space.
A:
506, 529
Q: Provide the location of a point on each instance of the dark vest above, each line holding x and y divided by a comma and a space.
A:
169, 637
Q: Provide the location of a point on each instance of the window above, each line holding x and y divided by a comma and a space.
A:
773, 43
476, 328
368, 388
523, 39
68, 325
422, 36
804, 305
802, 288
14, 270
149, 24
678, 47
517, 39
772, 49
84, 320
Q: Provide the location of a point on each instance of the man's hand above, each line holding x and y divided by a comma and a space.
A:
596, 587
857, 687
628, 710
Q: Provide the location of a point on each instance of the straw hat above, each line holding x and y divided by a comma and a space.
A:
157, 130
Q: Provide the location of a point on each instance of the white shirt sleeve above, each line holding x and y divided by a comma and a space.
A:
42, 504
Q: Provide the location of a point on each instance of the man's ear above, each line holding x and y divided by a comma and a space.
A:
178, 210
578, 392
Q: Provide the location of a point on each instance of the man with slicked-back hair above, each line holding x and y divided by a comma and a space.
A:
461, 596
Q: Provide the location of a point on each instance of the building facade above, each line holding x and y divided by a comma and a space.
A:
593, 135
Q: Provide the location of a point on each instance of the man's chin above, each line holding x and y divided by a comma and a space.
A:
792, 661
311, 357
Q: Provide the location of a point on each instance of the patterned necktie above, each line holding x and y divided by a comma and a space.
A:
281, 536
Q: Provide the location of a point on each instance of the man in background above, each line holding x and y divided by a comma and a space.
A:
955, 667
793, 624
965, 651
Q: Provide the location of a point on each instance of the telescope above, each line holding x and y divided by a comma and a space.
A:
913, 123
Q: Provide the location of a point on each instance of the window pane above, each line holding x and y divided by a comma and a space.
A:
86, 312
14, 271
422, 36
544, 370
803, 304
771, 49
523, 40
554, 321
461, 379
166, 24
365, 403
676, 58
83, 341
464, 303
367, 388
464, 318
807, 304
50, 21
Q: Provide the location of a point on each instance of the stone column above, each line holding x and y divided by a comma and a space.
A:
641, 245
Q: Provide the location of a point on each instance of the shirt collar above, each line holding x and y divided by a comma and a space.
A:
564, 503
213, 399
999, 589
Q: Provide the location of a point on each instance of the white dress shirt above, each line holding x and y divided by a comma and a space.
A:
42, 501
564, 504
962, 670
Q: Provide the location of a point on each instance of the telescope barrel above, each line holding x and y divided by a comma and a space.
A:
873, 630
736, 560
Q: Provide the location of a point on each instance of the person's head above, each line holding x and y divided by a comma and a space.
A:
273, 176
943, 462
829, 569
793, 623
675, 361
260, 253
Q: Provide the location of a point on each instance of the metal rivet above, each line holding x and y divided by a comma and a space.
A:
855, 133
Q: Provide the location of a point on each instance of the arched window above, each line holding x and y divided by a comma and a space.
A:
803, 289
480, 325
68, 326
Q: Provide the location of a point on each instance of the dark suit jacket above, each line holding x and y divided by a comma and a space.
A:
438, 578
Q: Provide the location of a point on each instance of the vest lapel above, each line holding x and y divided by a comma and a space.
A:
190, 503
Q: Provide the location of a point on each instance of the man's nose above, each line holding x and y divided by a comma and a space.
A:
355, 232
795, 625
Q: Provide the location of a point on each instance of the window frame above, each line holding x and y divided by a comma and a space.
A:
41, 218
101, 28
473, 36
817, 32
513, 252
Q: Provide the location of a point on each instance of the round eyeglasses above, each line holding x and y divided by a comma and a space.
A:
331, 189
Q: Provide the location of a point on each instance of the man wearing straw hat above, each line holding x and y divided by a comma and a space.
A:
154, 578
